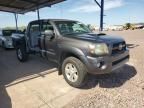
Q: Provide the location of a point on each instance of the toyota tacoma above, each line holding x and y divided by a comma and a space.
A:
73, 46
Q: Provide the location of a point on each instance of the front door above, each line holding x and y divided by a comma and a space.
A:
49, 45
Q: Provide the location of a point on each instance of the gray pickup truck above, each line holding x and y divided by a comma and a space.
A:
75, 49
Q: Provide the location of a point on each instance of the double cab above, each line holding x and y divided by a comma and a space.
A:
74, 47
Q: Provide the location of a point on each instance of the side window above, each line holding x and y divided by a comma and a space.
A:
65, 28
34, 28
78, 27
46, 26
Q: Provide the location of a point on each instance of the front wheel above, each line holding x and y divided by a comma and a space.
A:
74, 72
22, 55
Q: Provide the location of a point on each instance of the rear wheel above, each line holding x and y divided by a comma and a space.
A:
74, 72
22, 55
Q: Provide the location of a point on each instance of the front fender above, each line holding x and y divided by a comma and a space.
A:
72, 51
18, 41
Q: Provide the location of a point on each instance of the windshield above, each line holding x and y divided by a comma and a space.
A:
71, 27
9, 32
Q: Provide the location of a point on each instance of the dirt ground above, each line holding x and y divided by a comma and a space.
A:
124, 89
35, 84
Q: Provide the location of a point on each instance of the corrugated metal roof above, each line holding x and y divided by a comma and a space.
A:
23, 6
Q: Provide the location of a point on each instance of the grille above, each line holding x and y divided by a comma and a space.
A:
118, 48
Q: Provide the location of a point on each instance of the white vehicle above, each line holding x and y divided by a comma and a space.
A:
116, 28
6, 38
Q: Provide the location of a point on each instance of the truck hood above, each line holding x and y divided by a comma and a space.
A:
102, 38
7, 38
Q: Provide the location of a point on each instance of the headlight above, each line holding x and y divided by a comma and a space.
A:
9, 43
99, 49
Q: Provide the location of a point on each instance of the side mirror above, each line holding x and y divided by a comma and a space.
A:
49, 34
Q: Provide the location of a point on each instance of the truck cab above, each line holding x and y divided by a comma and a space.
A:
75, 49
41, 38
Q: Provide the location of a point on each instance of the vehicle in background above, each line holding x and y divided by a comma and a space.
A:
6, 38
72, 45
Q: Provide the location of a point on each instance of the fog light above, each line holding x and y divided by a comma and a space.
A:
101, 65
9, 44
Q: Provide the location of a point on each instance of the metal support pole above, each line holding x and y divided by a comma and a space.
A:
97, 3
38, 14
16, 21
102, 15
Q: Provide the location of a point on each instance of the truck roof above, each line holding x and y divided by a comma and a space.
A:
52, 20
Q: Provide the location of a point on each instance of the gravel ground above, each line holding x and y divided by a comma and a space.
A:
122, 89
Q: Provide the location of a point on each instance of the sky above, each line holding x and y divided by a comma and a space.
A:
117, 12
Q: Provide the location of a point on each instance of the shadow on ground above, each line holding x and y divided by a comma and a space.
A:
113, 80
12, 70
5, 100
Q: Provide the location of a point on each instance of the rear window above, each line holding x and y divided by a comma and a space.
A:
9, 32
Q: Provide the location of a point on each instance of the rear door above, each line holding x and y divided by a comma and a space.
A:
34, 35
50, 45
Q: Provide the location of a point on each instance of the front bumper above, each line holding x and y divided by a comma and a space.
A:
9, 45
108, 63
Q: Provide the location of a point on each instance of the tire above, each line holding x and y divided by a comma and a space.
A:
21, 53
77, 79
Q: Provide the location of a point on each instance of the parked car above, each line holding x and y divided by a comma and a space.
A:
6, 38
75, 49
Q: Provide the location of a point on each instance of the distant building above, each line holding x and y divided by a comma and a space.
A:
116, 27
94, 28
97, 28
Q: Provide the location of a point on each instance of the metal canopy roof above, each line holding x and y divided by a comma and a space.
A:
23, 6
